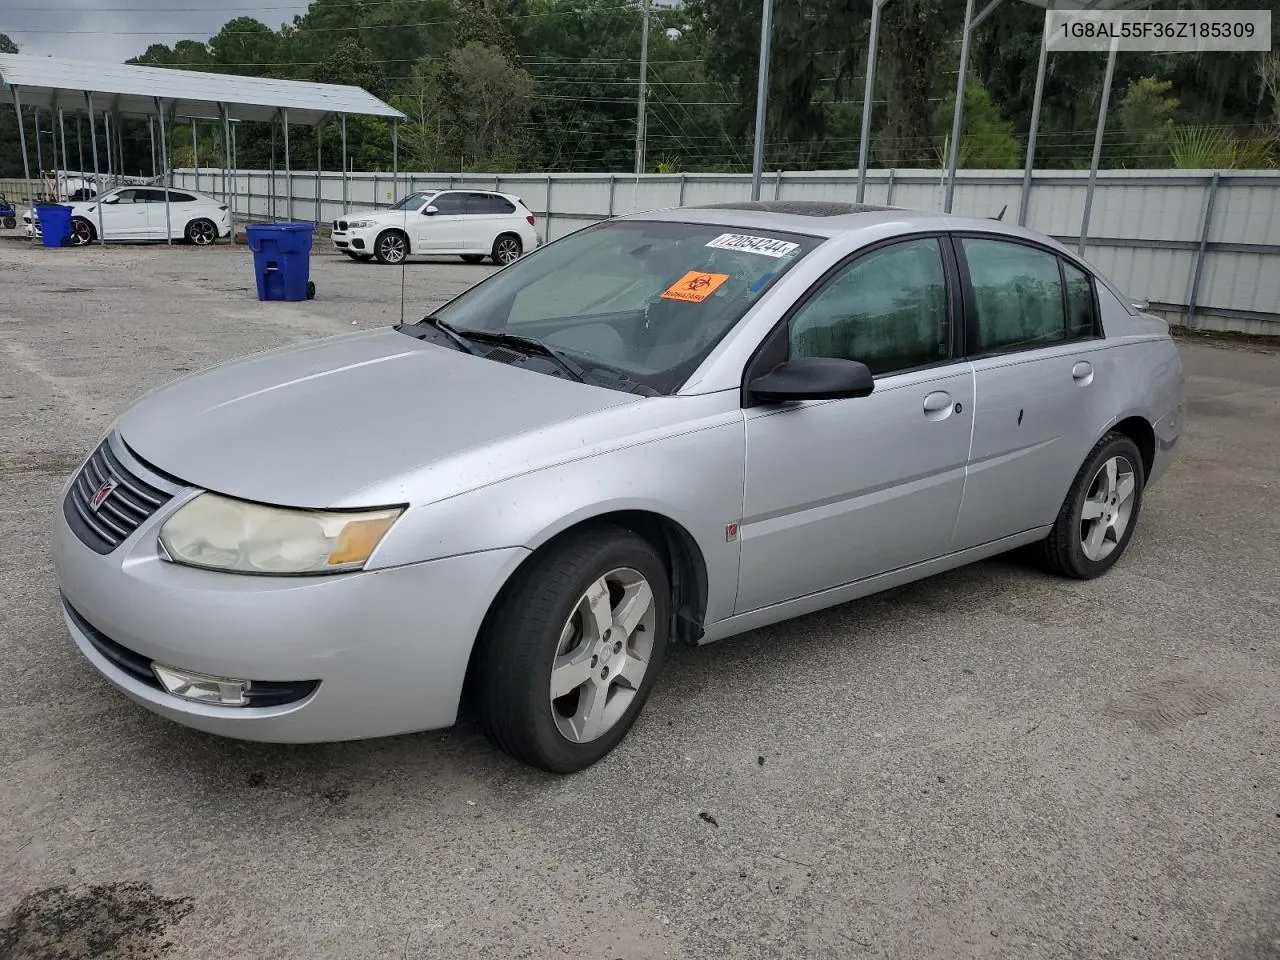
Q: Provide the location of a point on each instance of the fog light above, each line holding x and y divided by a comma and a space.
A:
222, 691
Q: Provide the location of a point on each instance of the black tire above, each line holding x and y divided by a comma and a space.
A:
1064, 550
391, 247
503, 247
201, 232
10, 223
513, 666
359, 257
82, 232
311, 289
472, 258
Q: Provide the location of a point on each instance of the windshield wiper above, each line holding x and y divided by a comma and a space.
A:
450, 332
530, 343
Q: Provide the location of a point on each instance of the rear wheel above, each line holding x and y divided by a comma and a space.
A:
574, 649
201, 232
1098, 517
82, 232
506, 249
10, 223
360, 257
473, 258
391, 247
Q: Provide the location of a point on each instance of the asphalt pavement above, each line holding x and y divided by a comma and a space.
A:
991, 763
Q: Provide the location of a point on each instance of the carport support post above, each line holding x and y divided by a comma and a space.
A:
395, 161
151, 134
762, 97
288, 167
22, 136
226, 170
39, 152
195, 152
80, 146
957, 115
164, 160
106, 135
868, 92
1204, 243
62, 135
344, 165
1035, 121
319, 167
97, 179
1097, 146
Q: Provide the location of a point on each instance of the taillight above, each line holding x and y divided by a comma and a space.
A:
530, 219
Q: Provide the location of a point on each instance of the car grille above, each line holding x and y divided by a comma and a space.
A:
261, 693
127, 502
339, 225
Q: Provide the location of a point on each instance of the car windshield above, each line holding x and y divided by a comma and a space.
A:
633, 303
412, 202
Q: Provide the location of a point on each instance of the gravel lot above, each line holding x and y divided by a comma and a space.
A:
991, 763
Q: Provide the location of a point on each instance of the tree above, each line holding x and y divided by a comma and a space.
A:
10, 152
487, 100
1146, 121
351, 63
987, 140
7, 45
246, 46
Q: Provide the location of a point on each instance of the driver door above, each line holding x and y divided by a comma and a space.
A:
124, 215
440, 231
840, 490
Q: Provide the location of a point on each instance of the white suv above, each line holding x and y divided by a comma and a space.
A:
472, 224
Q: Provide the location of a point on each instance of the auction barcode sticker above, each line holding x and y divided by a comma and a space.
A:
765, 246
1158, 31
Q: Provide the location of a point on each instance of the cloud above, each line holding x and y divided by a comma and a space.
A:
115, 30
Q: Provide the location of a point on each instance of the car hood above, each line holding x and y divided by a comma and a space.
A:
365, 419
380, 216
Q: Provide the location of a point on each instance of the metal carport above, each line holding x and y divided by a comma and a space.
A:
70, 86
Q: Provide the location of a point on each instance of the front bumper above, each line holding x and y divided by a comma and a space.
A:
388, 647
357, 241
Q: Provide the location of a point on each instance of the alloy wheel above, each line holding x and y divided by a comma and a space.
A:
203, 233
508, 250
1107, 508
603, 655
81, 233
392, 247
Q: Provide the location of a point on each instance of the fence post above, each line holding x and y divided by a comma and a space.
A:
683, 181
888, 200
777, 184
1205, 226
548, 208
613, 184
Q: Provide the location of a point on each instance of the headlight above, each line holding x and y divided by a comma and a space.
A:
358, 224
224, 534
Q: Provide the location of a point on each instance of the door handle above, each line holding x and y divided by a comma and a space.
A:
1082, 373
937, 405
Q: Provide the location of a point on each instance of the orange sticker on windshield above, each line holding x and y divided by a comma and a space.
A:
694, 287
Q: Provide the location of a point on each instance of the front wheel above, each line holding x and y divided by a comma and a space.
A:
201, 232
82, 232
574, 649
506, 249
1100, 512
391, 247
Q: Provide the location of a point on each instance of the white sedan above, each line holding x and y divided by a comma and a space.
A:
138, 213
472, 224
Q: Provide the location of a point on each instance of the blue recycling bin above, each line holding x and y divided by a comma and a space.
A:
55, 224
282, 260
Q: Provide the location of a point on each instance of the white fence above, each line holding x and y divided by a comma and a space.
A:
1203, 248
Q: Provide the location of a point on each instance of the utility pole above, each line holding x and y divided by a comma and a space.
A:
641, 131
762, 97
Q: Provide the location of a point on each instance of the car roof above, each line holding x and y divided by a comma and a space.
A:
830, 219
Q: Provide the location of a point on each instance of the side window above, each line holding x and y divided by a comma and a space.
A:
175, 197
129, 196
150, 196
477, 204
500, 205
887, 309
1018, 293
1081, 305
449, 203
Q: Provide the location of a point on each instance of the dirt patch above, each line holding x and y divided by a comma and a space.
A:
109, 921
1166, 703
1254, 343
49, 463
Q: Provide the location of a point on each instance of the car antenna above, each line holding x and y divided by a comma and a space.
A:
1000, 215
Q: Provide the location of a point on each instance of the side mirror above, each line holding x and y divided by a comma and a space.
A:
1140, 304
431, 211
813, 378
110, 200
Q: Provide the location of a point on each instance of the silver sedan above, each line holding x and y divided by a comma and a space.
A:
666, 428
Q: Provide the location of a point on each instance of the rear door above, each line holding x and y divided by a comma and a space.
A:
1040, 383
492, 216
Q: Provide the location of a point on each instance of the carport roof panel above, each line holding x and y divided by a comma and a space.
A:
124, 88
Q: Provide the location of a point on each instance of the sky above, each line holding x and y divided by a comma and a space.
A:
115, 30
